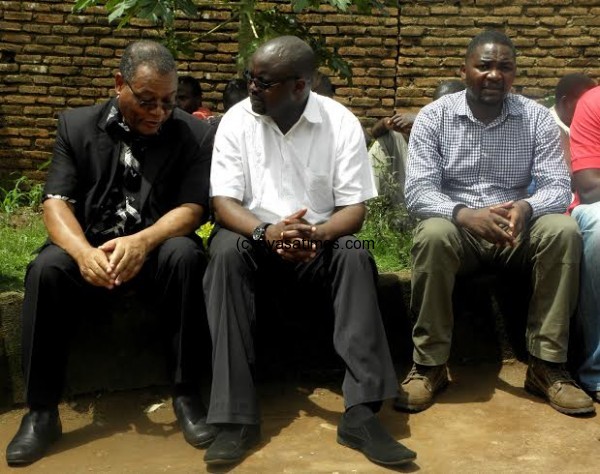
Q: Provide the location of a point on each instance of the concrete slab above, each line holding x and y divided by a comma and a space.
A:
484, 422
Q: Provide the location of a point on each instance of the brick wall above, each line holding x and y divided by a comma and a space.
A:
552, 37
51, 59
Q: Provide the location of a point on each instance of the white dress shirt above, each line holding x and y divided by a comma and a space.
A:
320, 163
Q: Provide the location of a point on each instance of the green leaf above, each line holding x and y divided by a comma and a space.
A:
299, 5
81, 5
341, 4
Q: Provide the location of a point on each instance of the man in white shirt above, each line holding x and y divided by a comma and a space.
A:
289, 179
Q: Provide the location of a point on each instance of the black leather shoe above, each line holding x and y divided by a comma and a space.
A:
371, 438
191, 415
38, 430
232, 443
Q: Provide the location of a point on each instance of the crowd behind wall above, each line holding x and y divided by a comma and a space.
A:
51, 59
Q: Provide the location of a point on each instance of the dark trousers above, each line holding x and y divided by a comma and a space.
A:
238, 269
57, 297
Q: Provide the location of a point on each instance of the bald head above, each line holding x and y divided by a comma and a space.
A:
289, 53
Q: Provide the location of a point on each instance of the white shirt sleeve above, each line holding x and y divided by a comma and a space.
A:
227, 169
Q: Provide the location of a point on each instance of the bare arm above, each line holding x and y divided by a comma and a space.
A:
345, 220
587, 185
64, 230
230, 214
128, 253
401, 123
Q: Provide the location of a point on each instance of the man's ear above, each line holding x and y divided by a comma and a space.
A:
300, 85
119, 82
463, 72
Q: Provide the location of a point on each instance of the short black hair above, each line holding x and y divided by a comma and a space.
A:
235, 91
194, 84
448, 87
573, 85
490, 36
146, 52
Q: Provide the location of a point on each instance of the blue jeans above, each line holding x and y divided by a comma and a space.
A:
588, 219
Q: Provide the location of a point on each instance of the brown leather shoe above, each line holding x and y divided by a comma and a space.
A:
419, 387
552, 382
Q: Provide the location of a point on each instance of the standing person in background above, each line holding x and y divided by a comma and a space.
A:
390, 149
322, 85
189, 97
235, 91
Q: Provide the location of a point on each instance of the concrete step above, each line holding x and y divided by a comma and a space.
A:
123, 349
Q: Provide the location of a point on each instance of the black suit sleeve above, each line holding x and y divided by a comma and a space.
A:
62, 176
197, 154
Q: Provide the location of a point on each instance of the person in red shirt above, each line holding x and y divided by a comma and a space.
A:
189, 97
585, 163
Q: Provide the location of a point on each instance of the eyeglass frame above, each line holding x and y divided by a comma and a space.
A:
150, 105
265, 86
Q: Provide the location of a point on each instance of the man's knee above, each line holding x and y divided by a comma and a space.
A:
587, 217
182, 251
435, 236
352, 252
230, 250
561, 232
51, 265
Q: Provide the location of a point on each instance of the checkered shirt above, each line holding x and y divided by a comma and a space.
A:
453, 158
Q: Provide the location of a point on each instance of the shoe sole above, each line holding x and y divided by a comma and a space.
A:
222, 462
529, 387
351, 445
416, 408
251, 447
19, 462
203, 444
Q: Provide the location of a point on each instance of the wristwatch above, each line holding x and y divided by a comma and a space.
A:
259, 231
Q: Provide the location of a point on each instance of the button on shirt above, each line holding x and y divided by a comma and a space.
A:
453, 158
320, 163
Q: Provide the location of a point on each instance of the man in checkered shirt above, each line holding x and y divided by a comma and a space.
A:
472, 155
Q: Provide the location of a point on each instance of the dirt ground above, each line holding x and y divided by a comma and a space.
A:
484, 422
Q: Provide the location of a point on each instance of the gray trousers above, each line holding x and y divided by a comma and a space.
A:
549, 249
231, 283
388, 157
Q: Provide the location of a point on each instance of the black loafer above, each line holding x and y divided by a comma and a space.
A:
371, 438
191, 416
38, 430
232, 444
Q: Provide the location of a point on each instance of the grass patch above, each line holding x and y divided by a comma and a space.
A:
21, 233
391, 247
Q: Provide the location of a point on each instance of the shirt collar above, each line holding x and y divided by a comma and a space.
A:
512, 106
311, 113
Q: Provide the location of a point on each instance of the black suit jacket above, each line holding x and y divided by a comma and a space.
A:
175, 169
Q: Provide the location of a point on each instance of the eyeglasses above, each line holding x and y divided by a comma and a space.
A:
262, 85
150, 105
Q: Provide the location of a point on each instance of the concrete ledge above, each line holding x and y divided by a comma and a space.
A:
124, 349
115, 351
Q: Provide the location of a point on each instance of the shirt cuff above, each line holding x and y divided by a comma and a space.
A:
58, 196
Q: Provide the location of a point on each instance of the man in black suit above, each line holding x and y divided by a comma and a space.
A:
127, 188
